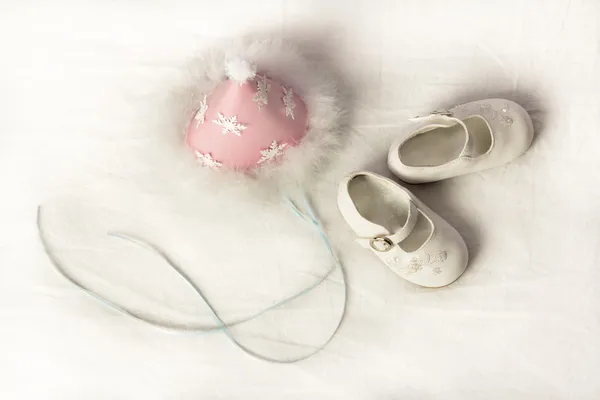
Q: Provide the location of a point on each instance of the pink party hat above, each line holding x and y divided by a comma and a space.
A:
246, 121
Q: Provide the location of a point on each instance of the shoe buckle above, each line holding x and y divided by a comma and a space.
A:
445, 113
381, 244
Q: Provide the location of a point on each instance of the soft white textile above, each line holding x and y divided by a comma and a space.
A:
82, 109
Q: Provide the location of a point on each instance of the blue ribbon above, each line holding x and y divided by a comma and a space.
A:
222, 326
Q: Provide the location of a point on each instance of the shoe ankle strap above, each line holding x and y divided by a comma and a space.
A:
384, 243
444, 118
433, 114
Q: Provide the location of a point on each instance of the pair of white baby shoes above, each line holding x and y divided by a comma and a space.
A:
405, 234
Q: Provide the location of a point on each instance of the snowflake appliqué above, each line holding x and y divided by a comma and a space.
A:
488, 110
417, 263
199, 117
206, 160
274, 151
229, 124
262, 95
506, 120
393, 261
463, 109
288, 101
439, 257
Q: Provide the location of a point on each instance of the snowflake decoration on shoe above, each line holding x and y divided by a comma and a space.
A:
288, 101
262, 94
462, 108
229, 124
207, 161
440, 256
506, 120
415, 265
488, 109
199, 117
274, 151
393, 261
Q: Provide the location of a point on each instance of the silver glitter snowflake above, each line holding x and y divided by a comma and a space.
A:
288, 100
262, 95
229, 124
274, 151
199, 117
206, 160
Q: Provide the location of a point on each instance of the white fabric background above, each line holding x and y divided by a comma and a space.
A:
82, 88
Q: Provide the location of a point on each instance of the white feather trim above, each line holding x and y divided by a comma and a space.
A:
284, 62
240, 70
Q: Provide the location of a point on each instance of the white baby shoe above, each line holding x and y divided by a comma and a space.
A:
467, 138
411, 239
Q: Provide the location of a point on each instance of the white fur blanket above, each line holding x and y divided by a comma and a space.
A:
85, 110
